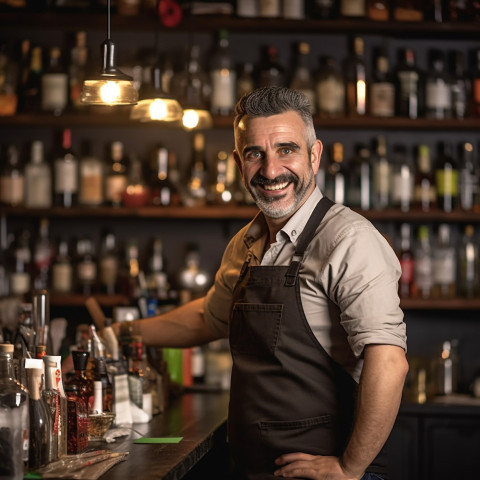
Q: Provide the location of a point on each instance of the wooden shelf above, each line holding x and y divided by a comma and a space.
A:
78, 300
209, 23
120, 118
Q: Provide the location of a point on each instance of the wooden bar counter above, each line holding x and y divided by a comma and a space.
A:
200, 418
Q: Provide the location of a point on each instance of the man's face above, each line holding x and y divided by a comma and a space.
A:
276, 167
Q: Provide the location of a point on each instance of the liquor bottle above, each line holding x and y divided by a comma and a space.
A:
335, 179
157, 278
38, 179
247, 8
446, 178
408, 10
101, 376
23, 73
91, 178
77, 69
468, 176
380, 175
436, 10
360, 184
163, 191
382, 87
446, 369
32, 94
20, 274
270, 71
108, 264
62, 269
54, 85
77, 431
223, 77
323, 9
42, 256
402, 178
476, 84
40, 424
14, 417
460, 10
405, 256
468, 280
221, 191
356, 80
86, 266
79, 384
424, 195
294, 10
423, 264
269, 8
137, 192
66, 173
245, 80
444, 264
408, 86
302, 79
330, 89
197, 183
12, 180
352, 8
193, 280
116, 176
41, 322
378, 10
460, 87
438, 99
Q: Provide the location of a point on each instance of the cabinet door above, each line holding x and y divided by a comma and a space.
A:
451, 448
403, 458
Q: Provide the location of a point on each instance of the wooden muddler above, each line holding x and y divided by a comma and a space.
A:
96, 313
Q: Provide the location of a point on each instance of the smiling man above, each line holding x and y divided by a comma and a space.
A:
307, 295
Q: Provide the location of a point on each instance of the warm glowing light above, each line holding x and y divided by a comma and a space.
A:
190, 118
158, 110
109, 92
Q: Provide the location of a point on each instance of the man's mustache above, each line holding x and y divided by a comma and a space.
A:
259, 179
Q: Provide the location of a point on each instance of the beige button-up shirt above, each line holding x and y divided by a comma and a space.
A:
348, 280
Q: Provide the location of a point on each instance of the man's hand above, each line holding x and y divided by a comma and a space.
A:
316, 467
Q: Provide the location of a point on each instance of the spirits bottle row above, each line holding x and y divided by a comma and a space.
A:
446, 87
438, 262
378, 10
118, 180
404, 177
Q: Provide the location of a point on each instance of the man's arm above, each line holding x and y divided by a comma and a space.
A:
181, 327
378, 401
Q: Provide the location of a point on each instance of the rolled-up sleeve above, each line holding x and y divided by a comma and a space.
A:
361, 277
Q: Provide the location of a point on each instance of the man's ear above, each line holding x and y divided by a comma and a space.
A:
316, 155
238, 161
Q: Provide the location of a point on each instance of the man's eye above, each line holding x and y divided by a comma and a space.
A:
286, 151
254, 155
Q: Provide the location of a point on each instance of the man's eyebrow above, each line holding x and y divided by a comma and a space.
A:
293, 145
251, 148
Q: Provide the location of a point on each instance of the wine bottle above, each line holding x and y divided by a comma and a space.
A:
116, 176
66, 173
54, 85
38, 179
356, 80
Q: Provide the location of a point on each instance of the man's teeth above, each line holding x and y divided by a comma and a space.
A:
277, 186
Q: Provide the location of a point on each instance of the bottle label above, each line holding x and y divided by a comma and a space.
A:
108, 270
382, 99
20, 283
115, 187
407, 271
54, 91
11, 190
294, 9
438, 95
352, 8
423, 274
331, 96
91, 188
447, 182
87, 271
444, 268
38, 188
269, 8
223, 90
62, 277
66, 179
381, 177
408, 83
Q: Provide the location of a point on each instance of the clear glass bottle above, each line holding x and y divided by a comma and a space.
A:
66, 173
157, 279
269, 8
381, 173
302, 78
330, 89
193, 280
14, 418
77, 68
197, 183
294, 10
409, 101
163, 191
220, 191
86, 266
382, 87
38, 179
447, 369
270, 71
356, 79
54, 84
62, 269
444, 264
223, 77
468, 176
40, 425
423, 264
359, 192
91, 178
460, 87
43, 254
446, 177
116, 175
402, 178
406, 259
436, 10
20, 274
468, 280
108, 264
438, 99
353, 8
424, 195
12, 179
137, 192
335, 178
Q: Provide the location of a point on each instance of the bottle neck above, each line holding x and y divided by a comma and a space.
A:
6, 366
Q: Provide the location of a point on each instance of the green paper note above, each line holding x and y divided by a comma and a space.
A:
159, 440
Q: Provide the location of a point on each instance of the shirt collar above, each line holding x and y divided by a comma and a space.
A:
292, 229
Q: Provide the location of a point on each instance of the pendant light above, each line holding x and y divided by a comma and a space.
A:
156, 105
111, 86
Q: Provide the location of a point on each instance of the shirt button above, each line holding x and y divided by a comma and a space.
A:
294, 232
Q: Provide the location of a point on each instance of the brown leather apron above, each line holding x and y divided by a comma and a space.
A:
287, 394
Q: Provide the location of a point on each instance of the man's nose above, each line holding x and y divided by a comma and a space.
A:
271, 166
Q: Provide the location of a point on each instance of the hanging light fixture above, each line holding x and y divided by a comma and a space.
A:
111, 86
155, 104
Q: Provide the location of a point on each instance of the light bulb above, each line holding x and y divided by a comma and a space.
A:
190, 119
158, 110
109, 92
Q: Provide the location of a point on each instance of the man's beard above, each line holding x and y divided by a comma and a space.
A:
270, 205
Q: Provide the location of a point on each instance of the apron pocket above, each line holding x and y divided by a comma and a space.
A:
255, 328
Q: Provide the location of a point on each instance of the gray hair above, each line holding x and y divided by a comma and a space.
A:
273, 100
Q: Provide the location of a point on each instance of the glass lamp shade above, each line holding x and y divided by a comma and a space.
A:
196, 119
160, 109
